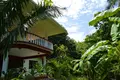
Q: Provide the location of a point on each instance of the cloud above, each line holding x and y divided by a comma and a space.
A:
78, 7
92, 31
73, 32
62, 3
78, 36
72, 29
62, 19
73, 6
86, 11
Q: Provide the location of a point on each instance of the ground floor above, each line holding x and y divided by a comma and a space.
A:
25, 54
21, 58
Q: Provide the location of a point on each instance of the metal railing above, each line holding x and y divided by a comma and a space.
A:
31, 38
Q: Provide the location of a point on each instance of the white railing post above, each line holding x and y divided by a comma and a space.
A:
51, 46
46, 44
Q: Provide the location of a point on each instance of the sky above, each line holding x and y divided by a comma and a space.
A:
77, 15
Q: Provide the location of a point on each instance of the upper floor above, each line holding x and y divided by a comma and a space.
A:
37, 36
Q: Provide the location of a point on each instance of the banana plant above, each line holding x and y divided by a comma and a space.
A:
104, 14
112, 16
96, 60
101, 59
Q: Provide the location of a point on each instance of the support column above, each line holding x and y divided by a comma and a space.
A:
5, 65
44, 60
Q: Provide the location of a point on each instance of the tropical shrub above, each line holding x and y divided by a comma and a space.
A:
14, 74
59, 68
93, 61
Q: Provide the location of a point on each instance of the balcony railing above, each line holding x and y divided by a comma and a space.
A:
31, 38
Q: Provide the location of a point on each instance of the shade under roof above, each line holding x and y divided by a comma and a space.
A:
47, 27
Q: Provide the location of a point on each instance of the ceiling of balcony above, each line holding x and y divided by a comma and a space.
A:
47, 27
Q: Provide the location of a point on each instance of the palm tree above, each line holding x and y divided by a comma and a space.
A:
14, 17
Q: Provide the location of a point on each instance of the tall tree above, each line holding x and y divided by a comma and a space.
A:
93, 38
71, 44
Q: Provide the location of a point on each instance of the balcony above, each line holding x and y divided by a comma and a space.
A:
34, 39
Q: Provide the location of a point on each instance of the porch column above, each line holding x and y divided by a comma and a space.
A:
44, 60
5, 65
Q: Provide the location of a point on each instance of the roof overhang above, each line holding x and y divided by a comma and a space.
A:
47, 27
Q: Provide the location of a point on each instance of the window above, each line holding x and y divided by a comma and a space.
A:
32, 64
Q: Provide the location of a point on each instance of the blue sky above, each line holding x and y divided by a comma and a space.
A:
77, 16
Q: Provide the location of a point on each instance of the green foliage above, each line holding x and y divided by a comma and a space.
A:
59, 65
114, 19
90, 53
110, 15
14, 74
72, 48
94, 49
20, 73
37, 70
71, 45
79, 78
81, 47
58, 39
46, 3
60, 68
103, 15
115, 33
93, 38
95, 61
101, 61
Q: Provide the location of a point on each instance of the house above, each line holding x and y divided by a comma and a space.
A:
34, 47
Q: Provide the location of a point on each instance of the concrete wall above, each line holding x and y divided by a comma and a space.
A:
26, 63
